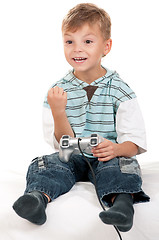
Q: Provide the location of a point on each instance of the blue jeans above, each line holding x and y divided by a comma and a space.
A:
49, 175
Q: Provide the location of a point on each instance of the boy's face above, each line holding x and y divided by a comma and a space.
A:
85, 47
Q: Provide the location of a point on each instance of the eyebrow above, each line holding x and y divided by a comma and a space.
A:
89, 34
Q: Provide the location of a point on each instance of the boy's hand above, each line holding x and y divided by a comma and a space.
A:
57, 100
105, 151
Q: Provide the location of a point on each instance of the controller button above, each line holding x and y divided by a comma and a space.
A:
65, 143
93, 141
65, 137
94, 135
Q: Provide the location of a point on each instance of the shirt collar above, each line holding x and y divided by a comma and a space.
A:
77, 82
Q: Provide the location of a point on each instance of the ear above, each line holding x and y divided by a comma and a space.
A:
108, 45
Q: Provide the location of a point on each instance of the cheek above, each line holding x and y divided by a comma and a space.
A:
67, 54
68, 57
97, 55
98, 51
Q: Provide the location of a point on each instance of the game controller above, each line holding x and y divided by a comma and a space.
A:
69, 145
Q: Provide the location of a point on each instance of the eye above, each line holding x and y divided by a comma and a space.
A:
88, 41
69, 42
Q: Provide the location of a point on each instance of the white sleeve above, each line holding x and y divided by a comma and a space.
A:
130, 124
48, 128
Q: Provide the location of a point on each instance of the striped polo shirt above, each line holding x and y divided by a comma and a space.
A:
91, 108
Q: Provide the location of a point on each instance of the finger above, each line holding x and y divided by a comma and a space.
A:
50, 91
61, 91
56, 90
101, 154
100, 150
105, 159
103, 144
65, 94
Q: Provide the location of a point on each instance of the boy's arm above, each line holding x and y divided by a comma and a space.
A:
130, 131
57, 100
108, 150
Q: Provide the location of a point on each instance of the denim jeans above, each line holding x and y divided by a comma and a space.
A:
49, 175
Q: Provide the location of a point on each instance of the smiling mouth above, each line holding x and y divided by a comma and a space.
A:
79, 60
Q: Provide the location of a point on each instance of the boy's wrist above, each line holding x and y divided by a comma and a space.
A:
59, 114
126, 149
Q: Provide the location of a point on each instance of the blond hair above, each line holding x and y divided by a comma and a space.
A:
87, 13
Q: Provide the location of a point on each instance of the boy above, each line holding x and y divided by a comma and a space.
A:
89, 99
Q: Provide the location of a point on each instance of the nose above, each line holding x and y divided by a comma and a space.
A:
77, 47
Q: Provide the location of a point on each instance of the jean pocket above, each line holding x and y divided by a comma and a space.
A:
129, 166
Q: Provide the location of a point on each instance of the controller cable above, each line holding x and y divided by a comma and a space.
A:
95, 183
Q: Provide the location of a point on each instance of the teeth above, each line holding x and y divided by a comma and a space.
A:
79, 59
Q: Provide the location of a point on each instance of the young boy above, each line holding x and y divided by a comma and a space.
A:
89, 99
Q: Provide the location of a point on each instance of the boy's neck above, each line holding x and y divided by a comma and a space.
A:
90, 76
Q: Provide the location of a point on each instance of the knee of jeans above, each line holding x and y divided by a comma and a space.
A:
48, 162
130, 166
48, 165
113, 163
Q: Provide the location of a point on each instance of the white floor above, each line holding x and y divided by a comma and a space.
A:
74, 216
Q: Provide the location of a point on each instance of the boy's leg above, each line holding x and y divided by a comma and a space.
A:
46, 175
119, 180
121, 213
49, 175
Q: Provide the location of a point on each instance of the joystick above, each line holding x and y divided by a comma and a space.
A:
69, 145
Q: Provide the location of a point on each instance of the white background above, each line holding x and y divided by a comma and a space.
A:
31, 59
